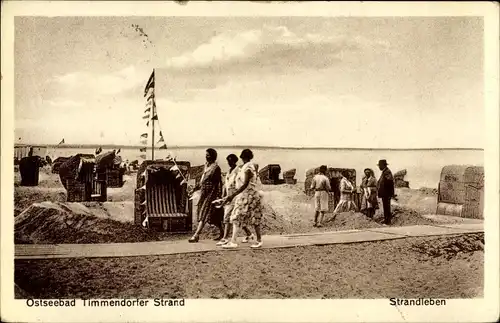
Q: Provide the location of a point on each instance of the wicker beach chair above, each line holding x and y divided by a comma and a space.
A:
269, 175
461, 191
80, 180
161, 198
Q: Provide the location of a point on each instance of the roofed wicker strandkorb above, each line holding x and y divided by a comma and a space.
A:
289, 176
78, 176
161, 196
270, 174
461, 191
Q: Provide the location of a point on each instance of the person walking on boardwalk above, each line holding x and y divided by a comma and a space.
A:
385, 186
369, 199
321, 186
247, 201
228, 189
346, 190
211, 190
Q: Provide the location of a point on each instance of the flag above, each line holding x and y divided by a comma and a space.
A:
147, 124
150, 84
161, 140
144, 135
62, 142
143, 150
145, 117
163, 147
155, 117
151, 97
147, 110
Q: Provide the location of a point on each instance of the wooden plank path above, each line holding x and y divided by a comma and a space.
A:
38, 251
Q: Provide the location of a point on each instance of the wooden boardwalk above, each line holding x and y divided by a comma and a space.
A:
38, 251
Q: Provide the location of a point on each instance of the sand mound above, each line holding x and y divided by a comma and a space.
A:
450, 247
26, 196
289, 210
55, 222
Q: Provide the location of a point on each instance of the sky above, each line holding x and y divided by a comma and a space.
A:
360, 82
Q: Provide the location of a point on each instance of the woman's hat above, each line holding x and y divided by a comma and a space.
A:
382, 162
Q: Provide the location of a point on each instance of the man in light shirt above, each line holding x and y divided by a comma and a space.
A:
321, 186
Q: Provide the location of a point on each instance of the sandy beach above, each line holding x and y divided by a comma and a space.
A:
417, 267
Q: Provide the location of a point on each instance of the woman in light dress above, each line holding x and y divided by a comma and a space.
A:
346, 190
247, 201
369, 201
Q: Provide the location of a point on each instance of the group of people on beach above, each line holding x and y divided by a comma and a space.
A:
371, 190
236, 202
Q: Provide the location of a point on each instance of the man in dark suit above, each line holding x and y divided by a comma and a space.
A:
385, 187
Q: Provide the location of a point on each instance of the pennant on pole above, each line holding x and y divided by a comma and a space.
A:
151, 97
142, 150
163, 147
155, 117
150, 84
161, 140
147, 110
62, 142
144, 135
145, 117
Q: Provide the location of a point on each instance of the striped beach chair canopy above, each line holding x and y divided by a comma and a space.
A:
166, 189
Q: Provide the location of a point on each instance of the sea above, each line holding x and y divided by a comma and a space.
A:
423, 166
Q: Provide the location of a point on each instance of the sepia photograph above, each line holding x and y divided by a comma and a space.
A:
161, 159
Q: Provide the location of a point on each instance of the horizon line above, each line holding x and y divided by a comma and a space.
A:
87, 146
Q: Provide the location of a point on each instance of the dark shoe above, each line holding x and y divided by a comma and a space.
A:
194, 239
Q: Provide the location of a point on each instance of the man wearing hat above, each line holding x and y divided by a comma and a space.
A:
385, 187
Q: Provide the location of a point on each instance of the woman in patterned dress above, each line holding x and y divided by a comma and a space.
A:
211, 190
247, 201
369, 202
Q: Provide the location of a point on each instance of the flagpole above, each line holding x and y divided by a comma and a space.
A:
153, 126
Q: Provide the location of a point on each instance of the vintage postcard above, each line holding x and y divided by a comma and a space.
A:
249, 162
